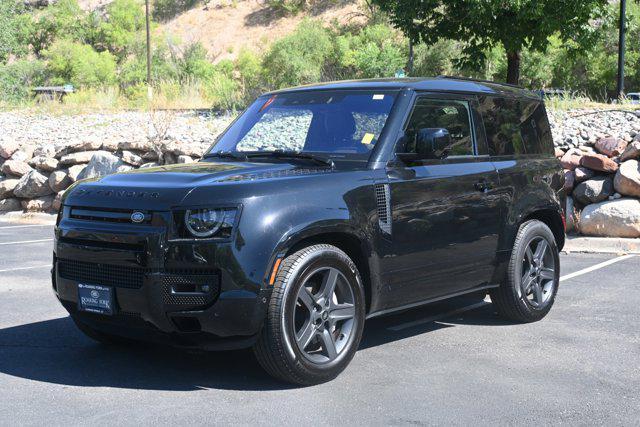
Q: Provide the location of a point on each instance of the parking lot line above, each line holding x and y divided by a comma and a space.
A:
25, 241
595, 267
25, 268
483, 303
25, 226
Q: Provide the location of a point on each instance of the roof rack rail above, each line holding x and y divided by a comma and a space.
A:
479, 81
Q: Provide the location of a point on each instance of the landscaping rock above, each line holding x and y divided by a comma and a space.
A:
559, 153
627, 180
10, 205
571, 159
593, 191
39, 204
74, 172
570, 214
611, 147
583, 174
109, 145
31, 185
185, 159
149, 165
6, 187
569, 180
78, 158
57, 201
46, 150
59, 180
103, 163
7, 148
632, 151
15, 168
598, 162
142, 145
24, 154
86, 145
45, 164
132, 158
618, 218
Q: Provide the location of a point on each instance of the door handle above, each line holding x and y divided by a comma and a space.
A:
483, 186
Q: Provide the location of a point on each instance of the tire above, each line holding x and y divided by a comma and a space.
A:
101, 337
532, 281
295, 344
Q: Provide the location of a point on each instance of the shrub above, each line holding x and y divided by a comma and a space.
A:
223, 92
123, 24
13, 29
298, 58
166, 9
79, 64
379, 52
287, 6
61, 20
194, 64
249, 68
17, 79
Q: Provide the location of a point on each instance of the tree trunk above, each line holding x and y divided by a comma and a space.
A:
513, 68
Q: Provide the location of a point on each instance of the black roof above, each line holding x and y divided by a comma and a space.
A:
434, 84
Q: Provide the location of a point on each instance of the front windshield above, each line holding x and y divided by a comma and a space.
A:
342, 123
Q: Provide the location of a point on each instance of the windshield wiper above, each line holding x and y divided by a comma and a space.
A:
289, 154
227, 155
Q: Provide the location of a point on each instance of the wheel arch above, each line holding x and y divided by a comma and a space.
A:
553, 219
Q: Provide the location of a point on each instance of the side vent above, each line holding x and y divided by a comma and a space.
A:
383, 201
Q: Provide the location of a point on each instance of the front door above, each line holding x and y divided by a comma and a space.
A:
444, 213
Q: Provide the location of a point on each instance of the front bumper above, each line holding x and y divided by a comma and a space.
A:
177, 292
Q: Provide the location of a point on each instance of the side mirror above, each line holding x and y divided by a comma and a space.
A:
428, 143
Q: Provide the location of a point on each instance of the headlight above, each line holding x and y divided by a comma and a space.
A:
203, 223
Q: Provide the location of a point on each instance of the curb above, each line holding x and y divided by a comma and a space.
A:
602, 245
36, 218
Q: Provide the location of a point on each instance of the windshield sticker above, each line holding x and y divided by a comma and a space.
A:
368, 138
378, 97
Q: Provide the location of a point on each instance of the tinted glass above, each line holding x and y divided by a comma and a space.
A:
454, 116
515, 127
348, 123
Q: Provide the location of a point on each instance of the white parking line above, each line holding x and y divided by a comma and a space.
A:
595, 267
25, 226
25, 241
25, 268
483, 303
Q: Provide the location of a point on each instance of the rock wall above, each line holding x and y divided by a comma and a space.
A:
41, 155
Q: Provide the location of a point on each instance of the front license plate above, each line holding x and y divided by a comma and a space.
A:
95, 299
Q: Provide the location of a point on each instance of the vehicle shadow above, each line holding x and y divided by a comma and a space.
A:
55, 351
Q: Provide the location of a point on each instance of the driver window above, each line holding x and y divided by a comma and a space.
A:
452, 115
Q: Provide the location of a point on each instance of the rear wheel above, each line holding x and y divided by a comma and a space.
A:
533, 275
315, 317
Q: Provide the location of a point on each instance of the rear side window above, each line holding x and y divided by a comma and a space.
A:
515, 126
452, 115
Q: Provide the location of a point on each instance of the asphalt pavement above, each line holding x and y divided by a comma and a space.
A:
454, 362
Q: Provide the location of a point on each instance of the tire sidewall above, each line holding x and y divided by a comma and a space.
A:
324, 257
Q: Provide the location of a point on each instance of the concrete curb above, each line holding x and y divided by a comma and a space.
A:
28, 218
602, 245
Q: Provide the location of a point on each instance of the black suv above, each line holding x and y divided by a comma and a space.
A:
320, 207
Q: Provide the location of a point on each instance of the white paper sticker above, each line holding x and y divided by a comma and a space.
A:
378, 97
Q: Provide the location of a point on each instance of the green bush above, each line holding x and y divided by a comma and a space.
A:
122, 28
79, 64
194, 64
249, 69
166, 9
64, 19
17, 79
298, 58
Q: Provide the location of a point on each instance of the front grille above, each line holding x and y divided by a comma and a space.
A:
101, 274
121, 216
188, 290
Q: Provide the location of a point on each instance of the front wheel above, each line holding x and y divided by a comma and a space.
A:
315, 317
533, 275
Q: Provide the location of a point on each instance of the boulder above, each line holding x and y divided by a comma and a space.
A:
6, 187
144, 145
46, 150
59, 180
583, 174
569, 180
632, 152
57, 201
598, 162
611, 147
593, 190
15, 167
74, 172
570, 213
627, 180
617, 218
109, 145
86, 145
103, 163
38, 204
131, 158
149, 165
24, 154
571, 159
559, 153
32, 184
186, 159
8, 147
9, 205
78, 158
46, 164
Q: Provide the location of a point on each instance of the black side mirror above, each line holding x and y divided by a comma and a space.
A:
428, 143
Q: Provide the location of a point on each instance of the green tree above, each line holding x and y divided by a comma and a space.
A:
13, 31
119, 31
484, 24
79, 64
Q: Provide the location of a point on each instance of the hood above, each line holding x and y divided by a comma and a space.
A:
163, 187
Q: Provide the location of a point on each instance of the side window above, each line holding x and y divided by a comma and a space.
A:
452, 115
514, 126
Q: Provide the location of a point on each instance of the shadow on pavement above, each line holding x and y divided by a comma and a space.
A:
55, 351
